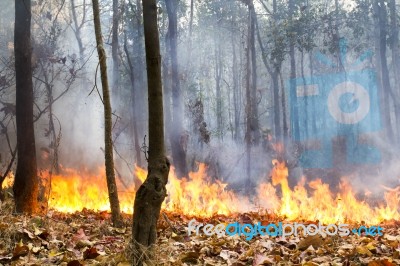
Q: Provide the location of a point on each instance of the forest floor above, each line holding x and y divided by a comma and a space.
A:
88, 238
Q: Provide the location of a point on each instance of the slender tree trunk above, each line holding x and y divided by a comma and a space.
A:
52, 130
139, 74
177, 148
284, 112
254, 105
277, 114
189, 57
78, 27
114, 51
167, 90
248, 134
235, 92
396, 61
218, 77
152, 192
26, 180
337, 38
134, 114
381, 20
292, 40
108, 147
274, 73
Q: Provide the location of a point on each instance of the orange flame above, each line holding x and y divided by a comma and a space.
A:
200, 196
74, 190
322, 205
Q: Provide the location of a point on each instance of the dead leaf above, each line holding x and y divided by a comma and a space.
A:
74, 263
363, 250
189, 257
384, 262
20, 250
90, 253
315, 241
261, 259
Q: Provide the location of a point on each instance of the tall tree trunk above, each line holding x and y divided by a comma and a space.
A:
277, 111
254, 105
248, 134
218, 78
139, 74
277, 63
114, 51
189, 57
336, 39
152, 192
235, 92
284, 112
292, 40
108, 145
167, 84
177, 145
396, 61
26, 180
134, 115
78, 27
381, 20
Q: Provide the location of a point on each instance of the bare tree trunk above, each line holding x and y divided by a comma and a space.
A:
292, 40
140, 71
248, 134
381, 20
152, 192
336, 38
78, 26
274, 73
134, 114
26, 184
235, 92
284, 112
396, 61
114, 51
277, 111
108, 145
167, 90
188, 64
254, 105
177, 148
218, 78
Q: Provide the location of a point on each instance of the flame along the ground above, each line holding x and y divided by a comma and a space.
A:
199, 196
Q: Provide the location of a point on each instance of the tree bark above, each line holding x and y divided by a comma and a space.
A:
177, 148
248, 134
114, 51
108, 147
396, 60
235, 92
254, 106
152, 192
218, 78
381, 17
292, 41
26, 184
78, 27
133, 102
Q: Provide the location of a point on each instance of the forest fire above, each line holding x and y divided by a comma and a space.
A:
198, 196
322, 204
